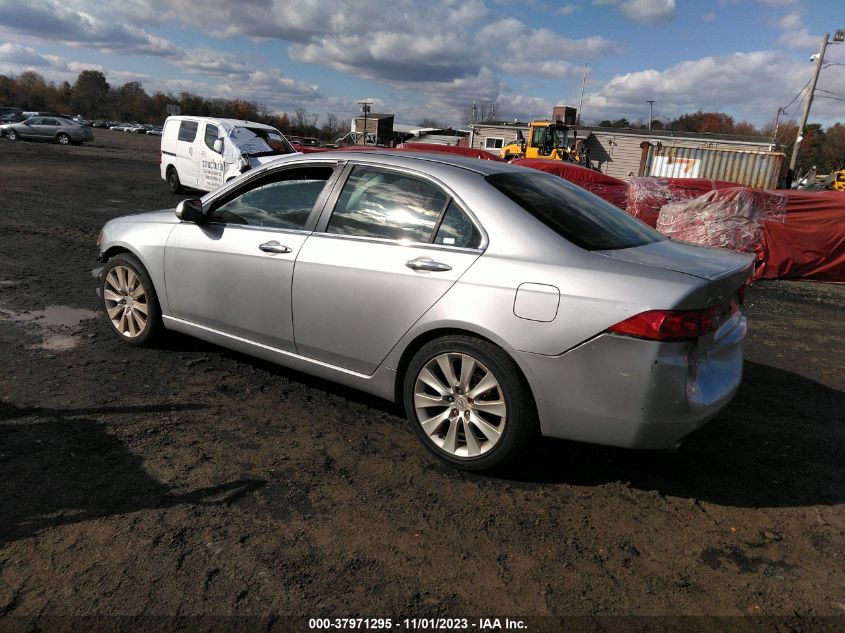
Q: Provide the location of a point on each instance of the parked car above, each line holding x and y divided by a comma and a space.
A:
155, 130
203, 153
493, 301
62, 131
12, 117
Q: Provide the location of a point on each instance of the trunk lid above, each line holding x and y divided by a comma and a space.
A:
725, 271
699, 261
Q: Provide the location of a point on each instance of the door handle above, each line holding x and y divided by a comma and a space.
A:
274, 247
426, 263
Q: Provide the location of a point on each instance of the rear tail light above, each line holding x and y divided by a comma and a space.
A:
674, 325
661, 325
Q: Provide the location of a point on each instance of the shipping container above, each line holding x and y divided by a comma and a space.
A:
760, 169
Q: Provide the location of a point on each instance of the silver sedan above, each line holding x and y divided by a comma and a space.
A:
494, 302
48, 128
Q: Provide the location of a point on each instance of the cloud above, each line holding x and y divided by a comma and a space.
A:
205, 61
16, 58
748, 85
643, 11
55, 21
567, 9
709, 17
649, 11
794, 34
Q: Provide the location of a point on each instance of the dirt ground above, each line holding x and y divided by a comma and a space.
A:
190, 480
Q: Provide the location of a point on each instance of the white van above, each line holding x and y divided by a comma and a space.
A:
204, 153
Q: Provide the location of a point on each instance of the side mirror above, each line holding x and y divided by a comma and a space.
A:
218, 146
190, 211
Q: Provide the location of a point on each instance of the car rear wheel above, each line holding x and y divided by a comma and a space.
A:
12, 135
173, 180
130, 301
469, 403
62, 139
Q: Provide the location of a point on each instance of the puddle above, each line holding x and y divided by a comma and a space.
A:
60, 327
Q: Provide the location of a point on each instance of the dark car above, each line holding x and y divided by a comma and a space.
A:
11, 117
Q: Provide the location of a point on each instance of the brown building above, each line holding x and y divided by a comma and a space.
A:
379, 129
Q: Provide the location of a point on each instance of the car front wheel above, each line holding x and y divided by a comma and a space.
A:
63, 139
130, 301
12, 135
469, 403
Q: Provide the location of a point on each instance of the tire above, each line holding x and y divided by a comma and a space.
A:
173, 180
63, 139
12, 135
501, 419
124, 305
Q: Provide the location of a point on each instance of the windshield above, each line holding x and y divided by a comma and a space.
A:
558, 136
274, 143
573, 213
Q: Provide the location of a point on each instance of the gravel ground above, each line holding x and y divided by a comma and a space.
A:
190, 480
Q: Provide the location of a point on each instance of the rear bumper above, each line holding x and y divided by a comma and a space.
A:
632, 393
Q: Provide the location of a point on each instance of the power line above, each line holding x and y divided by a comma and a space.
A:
800, 92
835, 94
833, 98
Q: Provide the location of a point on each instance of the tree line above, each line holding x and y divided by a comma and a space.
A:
92, 97
823, 148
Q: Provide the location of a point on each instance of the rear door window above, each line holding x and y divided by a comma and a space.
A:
573, 213
387, 205
188, 131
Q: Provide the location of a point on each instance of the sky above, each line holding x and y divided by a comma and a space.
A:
434, 58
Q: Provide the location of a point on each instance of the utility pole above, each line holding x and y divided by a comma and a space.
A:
474, 112
808, 101
650, 103
365, 108
581, 98
777, 125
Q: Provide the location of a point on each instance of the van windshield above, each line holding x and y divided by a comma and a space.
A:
267, 143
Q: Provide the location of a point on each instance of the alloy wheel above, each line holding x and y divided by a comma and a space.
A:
126, 301
460, 405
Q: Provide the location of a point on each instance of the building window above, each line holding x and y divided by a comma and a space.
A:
493, 142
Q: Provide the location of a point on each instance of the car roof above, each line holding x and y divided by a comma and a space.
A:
417, 159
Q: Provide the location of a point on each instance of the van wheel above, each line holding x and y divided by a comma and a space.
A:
173, 180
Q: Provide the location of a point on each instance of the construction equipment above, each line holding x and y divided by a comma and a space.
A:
546, 139
839, 182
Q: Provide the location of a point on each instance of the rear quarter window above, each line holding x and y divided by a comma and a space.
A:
573, 213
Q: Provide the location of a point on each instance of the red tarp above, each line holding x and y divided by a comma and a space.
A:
646, 196
803, 240
612, 189
448, 149
810, 243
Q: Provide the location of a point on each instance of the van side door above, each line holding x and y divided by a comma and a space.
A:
211, 163
185, 160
